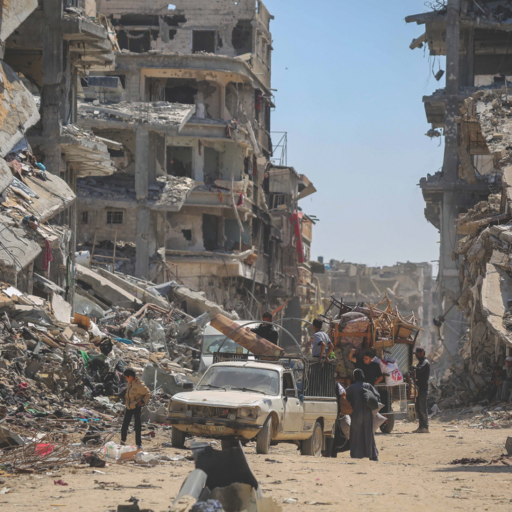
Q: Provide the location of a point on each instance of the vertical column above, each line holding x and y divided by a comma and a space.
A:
450, 289
153, 148
53, 56
141, 191
141, 162
198, 161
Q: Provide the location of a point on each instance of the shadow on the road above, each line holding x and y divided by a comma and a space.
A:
475, 469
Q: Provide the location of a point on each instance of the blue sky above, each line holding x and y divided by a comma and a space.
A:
350, 97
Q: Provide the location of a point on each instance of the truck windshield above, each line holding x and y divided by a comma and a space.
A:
212, 342
229, 377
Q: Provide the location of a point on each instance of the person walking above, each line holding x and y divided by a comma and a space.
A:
362, 438
422, 378
136, 396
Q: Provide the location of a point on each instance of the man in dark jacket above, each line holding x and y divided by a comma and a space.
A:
266, 330
422, 377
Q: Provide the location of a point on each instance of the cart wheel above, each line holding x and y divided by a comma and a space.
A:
387, 427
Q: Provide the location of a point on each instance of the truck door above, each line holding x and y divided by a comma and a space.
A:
293, 408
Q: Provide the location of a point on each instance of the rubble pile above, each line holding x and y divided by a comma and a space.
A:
157, 112
61, 374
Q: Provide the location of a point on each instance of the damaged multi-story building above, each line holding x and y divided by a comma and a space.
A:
46, 46
474, 37
195, 196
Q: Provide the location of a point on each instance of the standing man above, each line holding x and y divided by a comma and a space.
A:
321, 341
266, 330
422, 377
507, 383
136, 397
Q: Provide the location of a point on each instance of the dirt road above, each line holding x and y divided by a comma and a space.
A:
413, 474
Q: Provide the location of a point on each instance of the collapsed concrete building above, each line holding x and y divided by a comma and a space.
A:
474, 37
409, 286
195, 196
45, 46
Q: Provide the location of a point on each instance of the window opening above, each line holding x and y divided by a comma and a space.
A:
85, 217
203, 41
187, 233
114, 217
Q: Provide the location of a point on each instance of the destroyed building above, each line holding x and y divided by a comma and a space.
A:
471, 112
409, 286
45, 48
195, 197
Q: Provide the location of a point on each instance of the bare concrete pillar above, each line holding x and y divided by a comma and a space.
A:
142, 243
51, 97
141, 163
450, 289
153, 148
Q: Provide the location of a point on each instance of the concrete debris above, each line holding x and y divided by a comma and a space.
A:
167, 191
167, 115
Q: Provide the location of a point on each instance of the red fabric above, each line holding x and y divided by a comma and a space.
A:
47, 255
240, 200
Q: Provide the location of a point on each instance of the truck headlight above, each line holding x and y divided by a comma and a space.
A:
249, 412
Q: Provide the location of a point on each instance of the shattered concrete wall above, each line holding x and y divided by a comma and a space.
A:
485, 248
18, 109
223, 27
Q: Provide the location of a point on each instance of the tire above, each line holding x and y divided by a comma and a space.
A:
177, 438
386, 428
313, 446
264, 437
227, 444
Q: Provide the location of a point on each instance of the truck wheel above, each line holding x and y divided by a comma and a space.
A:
227, 444
177, 438
387, 427
264, 437
313, 445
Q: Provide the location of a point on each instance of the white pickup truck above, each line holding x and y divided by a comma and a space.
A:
252, 400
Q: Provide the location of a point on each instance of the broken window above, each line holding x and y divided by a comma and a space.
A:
85, 218
136, 41
187, 234
179, 161
203, 41
115, 217
241, 37
210, 232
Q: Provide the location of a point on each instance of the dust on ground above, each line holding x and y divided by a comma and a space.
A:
413, 474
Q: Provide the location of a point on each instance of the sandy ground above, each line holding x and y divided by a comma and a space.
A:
413, 474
